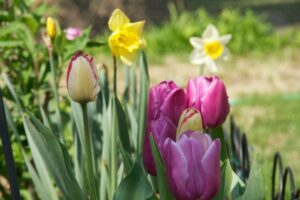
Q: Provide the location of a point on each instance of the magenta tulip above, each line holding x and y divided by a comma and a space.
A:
193, 166
209, 96
165, 104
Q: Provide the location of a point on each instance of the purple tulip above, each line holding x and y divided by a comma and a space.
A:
193, 166
72, 33
161, 129
165, 105
209, 96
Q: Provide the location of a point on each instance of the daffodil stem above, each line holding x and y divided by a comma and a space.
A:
88, 154
55, 91
114, 149
201, 69
115, 75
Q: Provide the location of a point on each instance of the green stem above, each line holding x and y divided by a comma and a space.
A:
115, 75
201, 69
55, 91
114, 169
88, 154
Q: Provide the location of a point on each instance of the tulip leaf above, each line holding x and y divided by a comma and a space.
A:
161, 172
135, 186
143, 100
226, 178
219, 133
255, 188
55, 156
123, 126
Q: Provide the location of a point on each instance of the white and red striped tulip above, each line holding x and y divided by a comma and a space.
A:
82, 79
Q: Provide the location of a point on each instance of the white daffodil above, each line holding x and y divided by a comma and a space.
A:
210, 48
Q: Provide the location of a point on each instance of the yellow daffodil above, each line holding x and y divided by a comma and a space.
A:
51, 27
210, 48
126, 38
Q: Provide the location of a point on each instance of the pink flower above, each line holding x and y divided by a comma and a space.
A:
72, 33
209, 96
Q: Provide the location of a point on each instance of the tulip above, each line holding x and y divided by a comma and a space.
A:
126, 38
82, 79
209, 96
160, 129
165, 104
51, 27
193, 166
190, 120
72, 33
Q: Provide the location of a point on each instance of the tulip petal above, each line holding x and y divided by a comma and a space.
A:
161, 129
210, 164
177, 170
196, 42
210, 33
193, 151
215, 106
117, 20
174, 104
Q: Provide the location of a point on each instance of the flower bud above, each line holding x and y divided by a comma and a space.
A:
209, 96
82, 79
72, 33
193, 166
51, 27
190, 120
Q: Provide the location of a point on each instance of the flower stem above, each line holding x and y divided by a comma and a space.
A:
201, 69
88, 154
115, 75
55, 91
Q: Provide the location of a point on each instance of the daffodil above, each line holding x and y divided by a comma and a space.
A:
51, 27
126, 38
210, 48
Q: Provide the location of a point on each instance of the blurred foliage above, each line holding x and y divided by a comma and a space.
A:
251, 33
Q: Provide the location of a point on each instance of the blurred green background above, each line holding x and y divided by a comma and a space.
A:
262, 76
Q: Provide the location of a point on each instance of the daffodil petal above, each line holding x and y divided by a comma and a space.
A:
128, 58
225, 39
210, 33
197, 57
211, 65
117, 20
226, 53
196, 42
136, 27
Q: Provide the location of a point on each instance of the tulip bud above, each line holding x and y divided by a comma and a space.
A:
82, 79
209, 96
51, 27
193, 166
190, 120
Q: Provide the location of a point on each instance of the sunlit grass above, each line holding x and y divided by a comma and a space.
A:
272, 123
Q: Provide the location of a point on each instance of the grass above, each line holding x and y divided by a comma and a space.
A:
271, 124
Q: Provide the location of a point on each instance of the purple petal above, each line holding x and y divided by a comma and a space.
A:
210, 165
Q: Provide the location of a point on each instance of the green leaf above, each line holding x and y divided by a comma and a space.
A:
11, 43
143, 100
255, 188
164, 191
55, 156
135, 186
219, 133
123, 127
226, 173
95, 44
